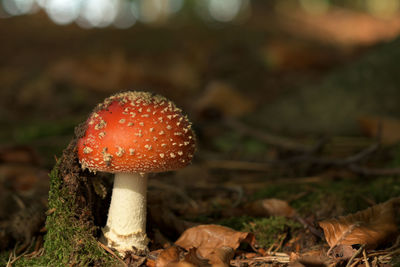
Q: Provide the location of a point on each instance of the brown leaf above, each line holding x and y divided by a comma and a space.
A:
224, 98
310, 258
208, 238
389, 132
270, 207
221, 257
167, 256
372, 227
19, 154
195, 259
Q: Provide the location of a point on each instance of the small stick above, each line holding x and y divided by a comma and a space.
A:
355, 255
366, 259
268, 138
112, 253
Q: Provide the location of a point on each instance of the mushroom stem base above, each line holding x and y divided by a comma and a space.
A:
123, 244
126, 224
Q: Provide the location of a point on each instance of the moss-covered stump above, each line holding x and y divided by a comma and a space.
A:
71, 222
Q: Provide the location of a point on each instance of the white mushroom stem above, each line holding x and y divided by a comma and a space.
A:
126, 223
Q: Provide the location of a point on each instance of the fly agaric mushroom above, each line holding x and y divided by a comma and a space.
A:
131, 134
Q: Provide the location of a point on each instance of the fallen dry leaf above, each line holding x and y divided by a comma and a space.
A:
310, 258
193, 257
19, 154
221, 257
372, 227
209, 238
389, 132
167, 256
225, 99
270, 207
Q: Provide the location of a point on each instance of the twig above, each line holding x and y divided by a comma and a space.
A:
373, 171
336, 162
366, 259
237, 165
311, 228
355, 255
112, 253
268, 138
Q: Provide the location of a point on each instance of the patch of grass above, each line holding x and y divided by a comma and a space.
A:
269, 230
68, 241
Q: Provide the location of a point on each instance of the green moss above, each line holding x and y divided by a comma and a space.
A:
269, 230
236, 223
4, 256
68, 241
343, 195
266, 230
247, 147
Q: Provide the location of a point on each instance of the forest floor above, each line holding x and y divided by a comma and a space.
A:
280, 193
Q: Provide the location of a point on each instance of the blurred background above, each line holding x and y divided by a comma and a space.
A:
59, 58
245, 71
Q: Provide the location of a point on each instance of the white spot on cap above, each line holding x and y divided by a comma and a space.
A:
172, 155
131, 151
151, 129
141, 123
87, 150
102, 134
180, 153
161, 133
122, 121
148, 147
161, 155
120, 152
100, 125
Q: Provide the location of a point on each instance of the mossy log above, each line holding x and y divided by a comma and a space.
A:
75, 211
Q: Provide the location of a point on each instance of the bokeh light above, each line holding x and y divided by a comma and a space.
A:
18, 7
315, 6
63, 12
122, 13
383, 8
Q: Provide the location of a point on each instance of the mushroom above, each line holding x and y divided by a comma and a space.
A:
132, 134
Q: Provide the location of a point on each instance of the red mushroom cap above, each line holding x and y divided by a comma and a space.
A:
136, 132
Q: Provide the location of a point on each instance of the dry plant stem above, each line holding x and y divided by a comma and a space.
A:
126, 223
366, 259
355, 255
273, 257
